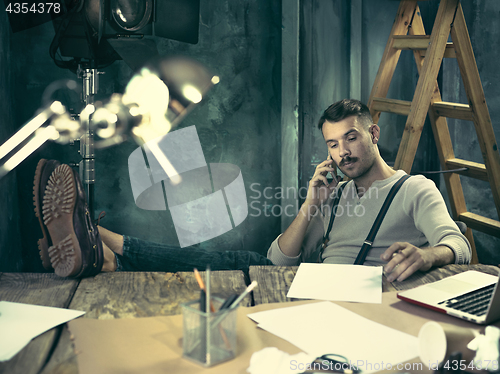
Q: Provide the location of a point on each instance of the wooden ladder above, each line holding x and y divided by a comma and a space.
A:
429, 50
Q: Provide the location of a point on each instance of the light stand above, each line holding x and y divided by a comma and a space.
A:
90, 84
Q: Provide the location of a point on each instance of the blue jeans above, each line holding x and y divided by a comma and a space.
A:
141, 255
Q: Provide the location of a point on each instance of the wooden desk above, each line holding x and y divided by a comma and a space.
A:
275, 281
129, 295
107, 295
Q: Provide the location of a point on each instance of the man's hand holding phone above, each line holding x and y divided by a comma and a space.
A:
319, 188
318, 191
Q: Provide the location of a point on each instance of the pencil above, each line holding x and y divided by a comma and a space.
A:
202, 287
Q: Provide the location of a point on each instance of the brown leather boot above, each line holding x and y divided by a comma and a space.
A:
74, 244
43, 171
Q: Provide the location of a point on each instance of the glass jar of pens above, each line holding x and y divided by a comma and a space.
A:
209, 325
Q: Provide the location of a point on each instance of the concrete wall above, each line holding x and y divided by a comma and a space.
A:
482, 21
31, 71
378, 18
329, 72
341, 45
10, 253
481, 17
329, 26
239, 123
325, 46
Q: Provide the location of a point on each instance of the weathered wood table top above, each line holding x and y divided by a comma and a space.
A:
275, 281
142, 294
107, 295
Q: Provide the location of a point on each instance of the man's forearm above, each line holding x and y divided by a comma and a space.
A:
443, 255
291, 240
405, 259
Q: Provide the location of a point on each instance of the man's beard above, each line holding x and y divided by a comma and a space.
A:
347, 159
353, 174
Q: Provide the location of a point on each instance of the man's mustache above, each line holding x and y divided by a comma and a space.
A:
348, 159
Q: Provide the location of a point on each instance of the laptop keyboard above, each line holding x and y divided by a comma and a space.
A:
474, 302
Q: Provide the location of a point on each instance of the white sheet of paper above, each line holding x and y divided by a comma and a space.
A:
327, 328
271, 360
19, 323
338, 283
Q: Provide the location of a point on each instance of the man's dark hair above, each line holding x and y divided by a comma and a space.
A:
346, 108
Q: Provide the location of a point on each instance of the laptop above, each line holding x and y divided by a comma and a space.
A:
471, 295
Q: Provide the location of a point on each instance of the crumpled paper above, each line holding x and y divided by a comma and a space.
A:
271, 360
487, 347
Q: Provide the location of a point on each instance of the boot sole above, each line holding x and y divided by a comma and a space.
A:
43, 243
58, 206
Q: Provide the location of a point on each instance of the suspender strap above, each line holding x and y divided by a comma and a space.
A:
367, 245
335, 204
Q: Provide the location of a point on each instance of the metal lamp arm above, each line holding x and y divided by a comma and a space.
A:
52, 123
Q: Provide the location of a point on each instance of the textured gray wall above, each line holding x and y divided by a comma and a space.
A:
31, 71
10, 249
378, 18
325, 70
482, 21
239, 123
324, 73
326, 49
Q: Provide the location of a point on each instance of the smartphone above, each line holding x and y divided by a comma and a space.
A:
333, 174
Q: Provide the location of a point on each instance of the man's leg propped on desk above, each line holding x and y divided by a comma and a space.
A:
73, 246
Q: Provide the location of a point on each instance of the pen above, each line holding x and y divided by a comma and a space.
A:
227, 303
244, 293
203, 304
208, 357
207, 291
236, 302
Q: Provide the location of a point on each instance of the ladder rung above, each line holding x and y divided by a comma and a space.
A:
453, 110
381, 104
419, 42
475, 170
480, 223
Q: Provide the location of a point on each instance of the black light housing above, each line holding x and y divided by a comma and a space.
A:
103, 31
171, 19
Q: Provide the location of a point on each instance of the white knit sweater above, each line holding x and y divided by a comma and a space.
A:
417, 215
